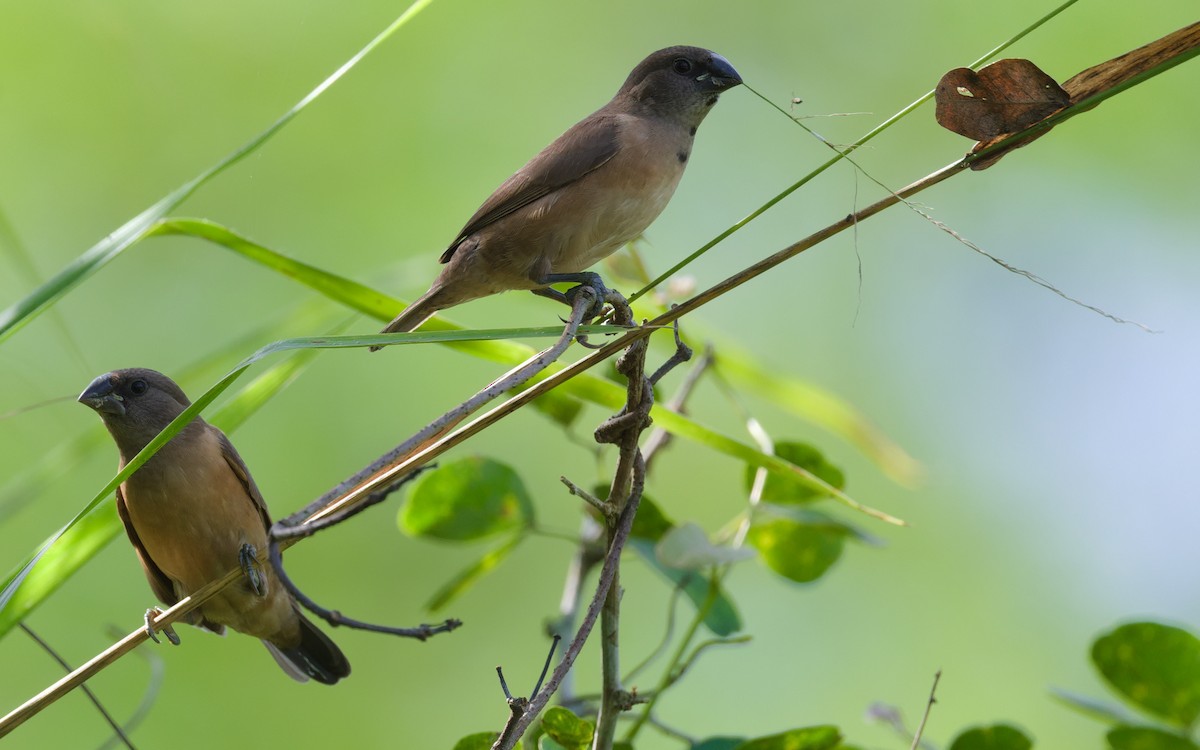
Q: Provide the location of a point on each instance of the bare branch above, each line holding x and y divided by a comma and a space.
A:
928, 707
86, 691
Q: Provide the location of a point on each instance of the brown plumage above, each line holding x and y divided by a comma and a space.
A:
190, 512
595, 188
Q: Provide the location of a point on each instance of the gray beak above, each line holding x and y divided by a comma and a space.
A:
722, 72
100, 396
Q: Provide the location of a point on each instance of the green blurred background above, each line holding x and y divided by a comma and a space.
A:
1058, 446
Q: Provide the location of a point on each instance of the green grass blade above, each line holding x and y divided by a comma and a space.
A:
38, 479
821, 407
96, 257
344, 291
93, 527
97, 524
680, 425
586, 386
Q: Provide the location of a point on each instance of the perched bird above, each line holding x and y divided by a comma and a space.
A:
586, 194
193, 512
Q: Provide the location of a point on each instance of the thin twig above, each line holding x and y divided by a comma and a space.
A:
546, 666
660, 438
606, 508
667, 632
701, 647
86, 691
588, 554
158, 671
503, 683
398, 462
31, 707
624, 429
517, 725
337, 619
676, 658
366, 488
928, 707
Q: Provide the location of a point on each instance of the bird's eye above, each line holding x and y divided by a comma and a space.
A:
682, 65
138, 387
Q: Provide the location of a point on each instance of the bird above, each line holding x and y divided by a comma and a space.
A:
591, 191
193, 513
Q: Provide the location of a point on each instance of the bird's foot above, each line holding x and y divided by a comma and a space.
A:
167, 630
582, 279
248, 558
602, 292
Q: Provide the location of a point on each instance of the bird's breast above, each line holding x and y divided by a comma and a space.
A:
192, 515
616, 203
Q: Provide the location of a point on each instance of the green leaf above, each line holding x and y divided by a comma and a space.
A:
650, 523
719, 743
480, 741
722, 617
677, 424
1147, 738
809, 738
453, 588
995, 737
807, 401
803, 514
1156, 667
560, 407
785, 490
687, 547
470, 498
1094, 708
23, 311
567, 729
56, 560
338, 288
801, 552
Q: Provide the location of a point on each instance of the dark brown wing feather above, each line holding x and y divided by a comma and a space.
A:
585, 147
160, 584
243, 474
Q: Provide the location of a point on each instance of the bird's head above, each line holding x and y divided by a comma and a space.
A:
680, 82
135, 404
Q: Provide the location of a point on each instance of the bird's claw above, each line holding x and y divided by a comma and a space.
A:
167, 630
597, 285
248, 558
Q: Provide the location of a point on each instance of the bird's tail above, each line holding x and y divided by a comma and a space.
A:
424, 308
316, 656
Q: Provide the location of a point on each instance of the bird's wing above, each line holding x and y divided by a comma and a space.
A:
160, 584
243, 474
582, 149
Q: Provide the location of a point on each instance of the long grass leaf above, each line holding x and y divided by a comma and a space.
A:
588, 387
96, 525
22, 312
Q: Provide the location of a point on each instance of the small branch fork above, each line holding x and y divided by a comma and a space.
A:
374, 483
625, 494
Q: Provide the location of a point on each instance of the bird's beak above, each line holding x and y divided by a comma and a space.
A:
722, 73
100, 396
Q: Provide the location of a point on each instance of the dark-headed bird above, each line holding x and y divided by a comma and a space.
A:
193, 513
